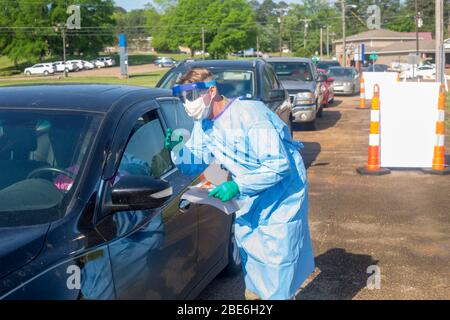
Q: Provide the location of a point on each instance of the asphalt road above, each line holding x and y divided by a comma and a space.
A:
399, 222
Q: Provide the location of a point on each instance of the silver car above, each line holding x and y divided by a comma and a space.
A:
346, 80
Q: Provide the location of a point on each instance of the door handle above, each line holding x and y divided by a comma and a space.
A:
184, 206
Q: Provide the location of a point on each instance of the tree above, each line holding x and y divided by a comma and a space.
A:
27, 24
97, 26
228, 26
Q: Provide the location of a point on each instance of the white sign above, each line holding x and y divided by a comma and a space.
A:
381, 78
408, 112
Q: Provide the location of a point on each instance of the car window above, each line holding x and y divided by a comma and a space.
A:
145, 153
267, 83
175, 115
38, 66
274, 80
293, 71
42, 154
172, 79
235, 83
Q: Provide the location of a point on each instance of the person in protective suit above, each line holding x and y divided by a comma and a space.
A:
268, 181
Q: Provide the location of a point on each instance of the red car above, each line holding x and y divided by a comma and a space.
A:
328, 89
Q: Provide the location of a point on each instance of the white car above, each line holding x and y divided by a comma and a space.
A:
41, 68
98, 64
425, 71
88, 65
79, 63
60, 67
108, 61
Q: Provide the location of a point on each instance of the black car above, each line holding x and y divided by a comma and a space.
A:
90, 202
327, 64
249, 79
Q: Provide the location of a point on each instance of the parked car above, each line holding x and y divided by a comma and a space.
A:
108, 61
60, 66
327, 64
41, 68
98, 64
165, 62
346, 80
78, 63
305, 87
248, 79
328, 89
377, 68
88, 65
89, 195
424, 71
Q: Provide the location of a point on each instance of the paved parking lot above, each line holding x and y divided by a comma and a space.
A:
399, 222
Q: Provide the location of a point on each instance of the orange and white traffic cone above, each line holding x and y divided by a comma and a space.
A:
373, 163
362, 94
439, 166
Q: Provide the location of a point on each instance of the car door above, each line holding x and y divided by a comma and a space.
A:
213, 225
37, 69
153, 252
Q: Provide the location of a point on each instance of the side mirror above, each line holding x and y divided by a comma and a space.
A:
276, 95
139, 193
322, 77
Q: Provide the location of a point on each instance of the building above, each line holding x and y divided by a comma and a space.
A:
391, 46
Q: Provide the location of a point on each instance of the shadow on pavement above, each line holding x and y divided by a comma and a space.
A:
342, 275
329, 119
310, 152
335, 104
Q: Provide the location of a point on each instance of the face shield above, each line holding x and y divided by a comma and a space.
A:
192, 95
192, 91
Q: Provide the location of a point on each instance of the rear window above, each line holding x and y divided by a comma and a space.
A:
231, 83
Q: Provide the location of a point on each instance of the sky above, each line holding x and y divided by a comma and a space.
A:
139, 4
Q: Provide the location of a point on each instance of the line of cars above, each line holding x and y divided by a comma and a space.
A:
70, 66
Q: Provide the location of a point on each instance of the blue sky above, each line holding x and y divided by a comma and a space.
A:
139, 4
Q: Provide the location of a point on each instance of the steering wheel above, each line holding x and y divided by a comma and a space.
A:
39, 171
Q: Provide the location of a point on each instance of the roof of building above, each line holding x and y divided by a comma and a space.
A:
383, 34
409, 46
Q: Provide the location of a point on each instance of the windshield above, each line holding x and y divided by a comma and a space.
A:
293, 71
41, 156
325, 65
231, 83
340, 72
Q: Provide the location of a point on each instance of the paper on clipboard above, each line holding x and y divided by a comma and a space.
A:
214, 176
200, 196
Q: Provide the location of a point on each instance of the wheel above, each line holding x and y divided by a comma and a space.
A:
160, 65
67, 70
28, 73
45, 73
234, 257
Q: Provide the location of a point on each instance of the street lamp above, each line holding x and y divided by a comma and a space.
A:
344, 40
62, 27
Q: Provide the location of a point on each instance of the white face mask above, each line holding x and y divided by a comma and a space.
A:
197, 109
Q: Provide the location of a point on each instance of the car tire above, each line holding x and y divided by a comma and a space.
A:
234, 257
45, 73
28, 73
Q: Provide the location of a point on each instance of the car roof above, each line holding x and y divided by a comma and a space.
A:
76, 97
288, 59
239, 64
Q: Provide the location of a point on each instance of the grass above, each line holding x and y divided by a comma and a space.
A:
144, 79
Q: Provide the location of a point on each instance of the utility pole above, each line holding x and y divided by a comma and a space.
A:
344, 40
280, 35
62, 27
418, 21
440, 55
321, 41
328, 41
305, 33
203, 43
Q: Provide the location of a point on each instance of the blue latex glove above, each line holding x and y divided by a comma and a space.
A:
168, 143
226, 191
